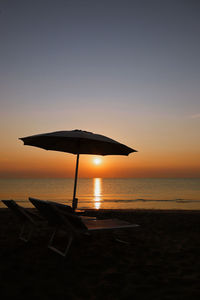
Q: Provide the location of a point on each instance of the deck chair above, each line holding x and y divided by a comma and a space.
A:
62, 207
29, 220
73, 225
55, 218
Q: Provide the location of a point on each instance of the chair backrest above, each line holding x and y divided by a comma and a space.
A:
19, 211
56, 216
63, 207
44, 208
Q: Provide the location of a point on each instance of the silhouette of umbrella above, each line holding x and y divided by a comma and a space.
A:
77, 142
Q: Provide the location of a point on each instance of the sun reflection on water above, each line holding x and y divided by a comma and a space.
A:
97, 192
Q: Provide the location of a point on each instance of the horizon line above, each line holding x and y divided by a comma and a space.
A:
167, 177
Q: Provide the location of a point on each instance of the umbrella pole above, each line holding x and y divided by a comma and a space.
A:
75, 200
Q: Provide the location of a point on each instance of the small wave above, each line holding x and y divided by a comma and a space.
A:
140, 200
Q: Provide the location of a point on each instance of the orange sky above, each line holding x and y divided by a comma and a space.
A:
128, 70
18, 161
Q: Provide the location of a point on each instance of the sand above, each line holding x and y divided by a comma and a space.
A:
160, 260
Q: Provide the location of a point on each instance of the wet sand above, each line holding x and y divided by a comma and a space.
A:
159, 260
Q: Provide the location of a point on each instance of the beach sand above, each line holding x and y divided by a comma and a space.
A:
160, 260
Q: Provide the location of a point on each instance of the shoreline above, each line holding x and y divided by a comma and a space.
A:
125, 211
142, 210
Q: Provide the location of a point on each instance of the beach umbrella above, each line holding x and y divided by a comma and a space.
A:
77, 142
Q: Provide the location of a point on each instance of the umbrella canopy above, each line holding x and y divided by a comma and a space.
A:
77, 142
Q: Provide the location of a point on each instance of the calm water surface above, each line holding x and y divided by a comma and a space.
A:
107, 193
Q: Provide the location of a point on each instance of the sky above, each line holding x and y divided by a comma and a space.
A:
129, 70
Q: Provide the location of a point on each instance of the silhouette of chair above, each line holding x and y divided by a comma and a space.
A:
73, 225
62, 207
29, 220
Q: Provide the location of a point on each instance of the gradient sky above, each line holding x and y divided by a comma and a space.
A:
127, 69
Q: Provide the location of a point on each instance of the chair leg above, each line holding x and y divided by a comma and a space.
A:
62, 253
25, 237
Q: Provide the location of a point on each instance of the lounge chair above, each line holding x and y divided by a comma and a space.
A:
29, 220
73, 225
62, 207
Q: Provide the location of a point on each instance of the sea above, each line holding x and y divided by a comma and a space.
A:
104, 193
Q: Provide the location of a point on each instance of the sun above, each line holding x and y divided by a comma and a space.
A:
97, 161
